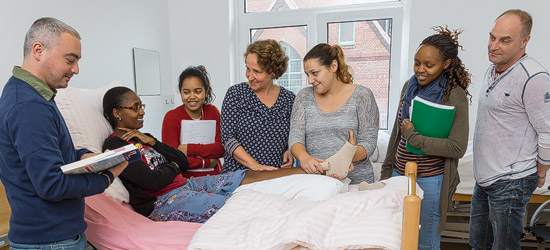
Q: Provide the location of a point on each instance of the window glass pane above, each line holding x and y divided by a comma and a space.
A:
279, 5
369, 58
347, 33
294, 40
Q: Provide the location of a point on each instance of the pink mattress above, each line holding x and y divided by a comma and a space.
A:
114, 226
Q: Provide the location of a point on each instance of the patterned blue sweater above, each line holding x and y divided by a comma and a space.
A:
261, 131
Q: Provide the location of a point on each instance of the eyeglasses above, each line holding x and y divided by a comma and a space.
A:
136, 107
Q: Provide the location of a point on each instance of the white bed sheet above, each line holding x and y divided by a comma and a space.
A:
351, 220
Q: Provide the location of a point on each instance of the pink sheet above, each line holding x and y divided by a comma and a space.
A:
113, 226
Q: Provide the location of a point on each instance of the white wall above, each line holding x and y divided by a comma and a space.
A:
200, 34
215, 50
203, 32
109, 31
476, 19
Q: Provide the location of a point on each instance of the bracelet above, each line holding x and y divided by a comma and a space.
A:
541, 177
108, 179
178, 166
201, 159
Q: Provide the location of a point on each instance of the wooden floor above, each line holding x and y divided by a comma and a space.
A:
5, 212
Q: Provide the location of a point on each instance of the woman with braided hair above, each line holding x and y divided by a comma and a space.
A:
440, 77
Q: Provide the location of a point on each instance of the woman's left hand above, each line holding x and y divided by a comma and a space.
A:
406, 125
134, 133
288, 159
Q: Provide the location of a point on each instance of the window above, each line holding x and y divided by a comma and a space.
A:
281, 5
292, 79
369, 32
294, 40
369, 57
346, 33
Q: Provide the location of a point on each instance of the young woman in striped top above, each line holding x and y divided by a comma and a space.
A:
440, 77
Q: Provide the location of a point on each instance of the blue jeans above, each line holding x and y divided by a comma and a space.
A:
199, 199
497, 211
77, 243
429, 236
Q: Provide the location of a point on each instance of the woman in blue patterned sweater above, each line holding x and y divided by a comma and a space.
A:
255, 117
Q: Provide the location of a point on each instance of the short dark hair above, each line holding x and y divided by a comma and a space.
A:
111, 100
46, 30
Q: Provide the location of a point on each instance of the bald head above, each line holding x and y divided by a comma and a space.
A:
507, 40
525, 19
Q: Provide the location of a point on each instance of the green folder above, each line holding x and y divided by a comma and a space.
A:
430, 119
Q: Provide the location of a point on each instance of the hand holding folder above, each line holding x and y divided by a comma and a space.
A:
430, 119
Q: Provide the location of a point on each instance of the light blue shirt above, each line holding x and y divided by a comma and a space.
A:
513, 123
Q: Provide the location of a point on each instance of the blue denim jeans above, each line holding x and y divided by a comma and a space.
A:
429, 236
497, 211
77, 243
199, 199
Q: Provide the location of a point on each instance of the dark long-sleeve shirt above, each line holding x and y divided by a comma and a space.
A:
147, 180
46, 204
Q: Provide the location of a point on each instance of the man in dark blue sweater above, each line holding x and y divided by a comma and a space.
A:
47, 205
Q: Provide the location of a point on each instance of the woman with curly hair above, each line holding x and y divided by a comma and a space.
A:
331, 113
255, 117
440, 77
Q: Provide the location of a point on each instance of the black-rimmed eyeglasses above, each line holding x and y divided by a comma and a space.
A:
136, 107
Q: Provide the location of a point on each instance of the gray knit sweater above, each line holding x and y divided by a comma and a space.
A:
324, 133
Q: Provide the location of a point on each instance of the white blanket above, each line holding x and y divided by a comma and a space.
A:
352, 220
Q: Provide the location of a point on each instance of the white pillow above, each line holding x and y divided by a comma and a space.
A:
311, 187
118, 192
82, 110
379, 154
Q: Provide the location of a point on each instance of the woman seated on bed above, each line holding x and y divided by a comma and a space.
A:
156, 185
440, 77
196, 95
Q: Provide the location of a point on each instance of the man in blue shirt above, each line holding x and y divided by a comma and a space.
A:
47, 205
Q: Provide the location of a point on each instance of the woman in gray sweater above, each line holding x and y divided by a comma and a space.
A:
323, 113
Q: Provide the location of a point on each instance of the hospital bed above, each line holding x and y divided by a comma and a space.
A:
112, 224
457, 225
5, 212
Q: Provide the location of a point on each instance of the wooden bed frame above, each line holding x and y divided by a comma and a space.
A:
535, 198
457, 225
5, 212
411, 211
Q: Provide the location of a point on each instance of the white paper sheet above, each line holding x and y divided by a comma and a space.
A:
198, 131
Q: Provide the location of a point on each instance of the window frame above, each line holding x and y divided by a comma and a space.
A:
317, 20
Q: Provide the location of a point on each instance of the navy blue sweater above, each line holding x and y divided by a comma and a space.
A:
46, 204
